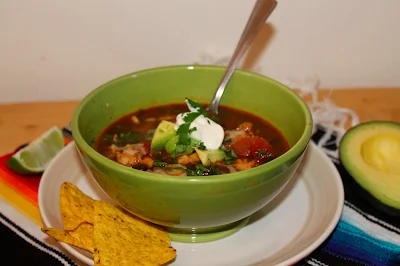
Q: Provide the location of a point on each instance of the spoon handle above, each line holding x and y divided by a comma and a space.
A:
261, 11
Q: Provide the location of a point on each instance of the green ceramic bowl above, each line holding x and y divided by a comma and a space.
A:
193, 209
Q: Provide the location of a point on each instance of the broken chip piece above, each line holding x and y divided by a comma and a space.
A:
81, 237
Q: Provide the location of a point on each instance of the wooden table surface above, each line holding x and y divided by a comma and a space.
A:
21, 123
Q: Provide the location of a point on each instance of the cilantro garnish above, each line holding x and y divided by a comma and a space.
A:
230, 157
199, 170
215, 119
192, 129
107, 137
128, 138
201, 146
199, 108
214, 170
270, 157
184, 130
190, 117
227, 141
183, 133
229, 161
261, 152
180, 148
159, 164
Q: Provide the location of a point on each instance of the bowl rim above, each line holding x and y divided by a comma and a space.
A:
295, 150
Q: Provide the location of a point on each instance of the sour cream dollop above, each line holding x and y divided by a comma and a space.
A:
207, 131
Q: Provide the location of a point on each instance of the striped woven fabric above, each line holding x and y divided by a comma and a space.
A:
363, 236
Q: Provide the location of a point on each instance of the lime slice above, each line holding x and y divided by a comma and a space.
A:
34, 158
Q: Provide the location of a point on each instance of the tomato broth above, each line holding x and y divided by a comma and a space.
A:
248, 141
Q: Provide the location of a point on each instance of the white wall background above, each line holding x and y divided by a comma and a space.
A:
56, 50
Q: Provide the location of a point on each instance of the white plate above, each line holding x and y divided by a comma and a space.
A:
282, 233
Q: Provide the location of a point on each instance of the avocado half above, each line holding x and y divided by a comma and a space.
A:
370, 152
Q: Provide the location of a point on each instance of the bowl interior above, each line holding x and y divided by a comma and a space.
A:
247, 91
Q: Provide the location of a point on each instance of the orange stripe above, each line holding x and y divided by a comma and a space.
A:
20, 203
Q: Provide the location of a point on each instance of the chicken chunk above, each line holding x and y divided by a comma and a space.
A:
189, 159
128, 159
135, 120
244, 164
246, 127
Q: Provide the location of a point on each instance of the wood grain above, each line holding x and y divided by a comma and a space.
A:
21, 123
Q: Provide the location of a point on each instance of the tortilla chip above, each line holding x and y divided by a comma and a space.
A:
122, 239
69, 220
81, 237
75, 206
84, 233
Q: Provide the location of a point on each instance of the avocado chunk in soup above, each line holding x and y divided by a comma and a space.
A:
183, 139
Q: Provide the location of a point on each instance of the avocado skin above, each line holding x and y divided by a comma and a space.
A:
372, 201
356, 187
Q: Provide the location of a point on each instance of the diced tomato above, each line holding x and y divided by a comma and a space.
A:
242, 147
147, 147
255, 147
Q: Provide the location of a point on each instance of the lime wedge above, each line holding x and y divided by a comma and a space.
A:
34, 158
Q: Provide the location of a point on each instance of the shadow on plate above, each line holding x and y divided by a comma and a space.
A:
278, 199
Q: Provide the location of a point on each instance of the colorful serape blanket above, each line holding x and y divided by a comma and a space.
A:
363, 236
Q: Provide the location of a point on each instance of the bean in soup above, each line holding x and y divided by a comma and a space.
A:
173, 140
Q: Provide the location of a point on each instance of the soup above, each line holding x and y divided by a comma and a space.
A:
184, 139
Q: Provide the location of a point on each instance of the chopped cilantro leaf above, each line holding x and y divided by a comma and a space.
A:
192, 129
183, 132
128, 138
226, 141
229, 161
230, 157
201, 167
149, 134
214, 170
159, 164
201, 170
270, 157
230, 154
180, 148
201, 146
195, 105
107, 137
190, 172
261, 152
190, 117
215, 119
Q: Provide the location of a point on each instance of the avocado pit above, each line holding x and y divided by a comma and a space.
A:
382, 152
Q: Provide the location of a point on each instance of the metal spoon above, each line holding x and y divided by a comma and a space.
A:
261, 11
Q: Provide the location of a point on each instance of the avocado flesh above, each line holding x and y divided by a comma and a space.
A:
163, 133
208, 157
174, 149
370, 152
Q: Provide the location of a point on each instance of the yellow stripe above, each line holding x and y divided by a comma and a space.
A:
20, 203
